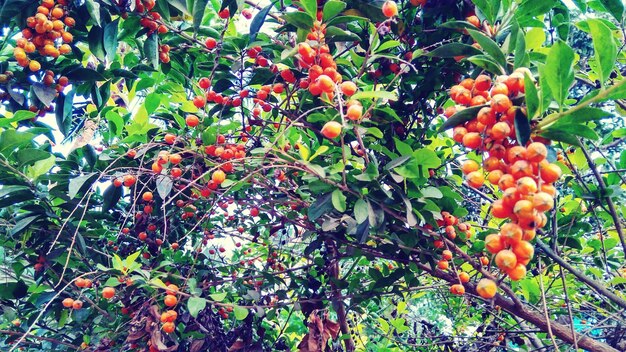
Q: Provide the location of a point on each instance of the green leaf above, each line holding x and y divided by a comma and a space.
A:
83, 74
164, 185
95, 38
195, 305
151, 50
560, 136
110, 39
198, 13
17, 117
402, 148
461, 117
339, 200
310, 6
93, 8
488, 8
257, 22
558, 71
579, 130
299, 19
218, 297
23, 224
532, 97
533, 8
426, 158
522, 127
615, 8
387, 45
78, 183
332, 8
585, 114
336, 34
240, 312
605, 50
360, 211
375, 94
487, 63
45, 94
453, 50
30, 155
320, 150
321, 206
110, 197
41, 167
489, 46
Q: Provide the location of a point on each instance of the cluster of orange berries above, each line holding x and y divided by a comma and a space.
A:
49, 80
126, 180
521, 172
168, 317
45, 33
323, 78
76, 303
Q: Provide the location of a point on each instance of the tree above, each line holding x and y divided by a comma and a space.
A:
312, 175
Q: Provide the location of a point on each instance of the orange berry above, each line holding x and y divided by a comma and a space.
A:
500, 131
108, 292
524, 209
129, 180
500, 103
169, 316
354, 112
520, 169
494, 176
499, 89
68, 302
494, 243
446, 255
475, 179
499, 210
486, 116
511, 233
168, 327
458, 133
325, 83
536, 152
170, 300
192, 120
484, 260
218, 177
543, 201
57, 13
332, 129
549, 172
528, 234
457, 289
34, 66
516, 153
469, 166
526, 185
390, 9
77, 304
147, 196
506, 260
523, 250
486, 288
464, 277
517, 273
348, 88
482, 82
443, 264
472, 140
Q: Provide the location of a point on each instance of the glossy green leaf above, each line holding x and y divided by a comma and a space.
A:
558, 71
605, 50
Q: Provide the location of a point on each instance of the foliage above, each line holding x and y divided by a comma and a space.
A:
290, 175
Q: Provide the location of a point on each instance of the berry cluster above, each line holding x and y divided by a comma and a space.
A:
45, 33
521, 172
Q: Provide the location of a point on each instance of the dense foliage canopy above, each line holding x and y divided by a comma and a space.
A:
312, 175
